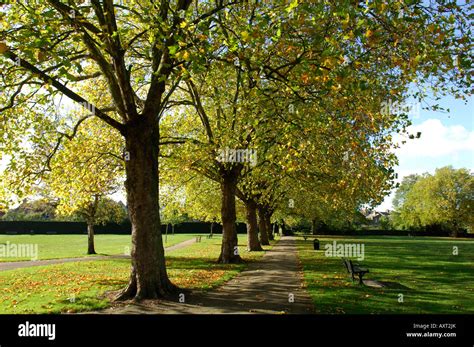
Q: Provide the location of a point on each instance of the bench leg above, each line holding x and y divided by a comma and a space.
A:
360, 278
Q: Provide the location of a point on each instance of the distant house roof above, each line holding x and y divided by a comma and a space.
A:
377, 214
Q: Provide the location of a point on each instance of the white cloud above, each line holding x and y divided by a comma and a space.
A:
436, 140
439, 145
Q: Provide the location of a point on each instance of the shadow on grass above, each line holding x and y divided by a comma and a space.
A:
420, 276
202, 263
394, 285
83, 303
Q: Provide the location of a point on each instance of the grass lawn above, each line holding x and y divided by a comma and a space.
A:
75, 287
422, 269
71, 246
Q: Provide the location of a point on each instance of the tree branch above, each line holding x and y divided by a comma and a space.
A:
65, 90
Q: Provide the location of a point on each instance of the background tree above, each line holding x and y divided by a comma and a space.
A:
99, 210
399, 199
172, 206
445, 198
84, 172
405, 186
33, 210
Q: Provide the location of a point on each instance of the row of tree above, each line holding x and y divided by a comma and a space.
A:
167, 87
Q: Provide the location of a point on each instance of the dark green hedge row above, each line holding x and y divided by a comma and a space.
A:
381, 232
29, 227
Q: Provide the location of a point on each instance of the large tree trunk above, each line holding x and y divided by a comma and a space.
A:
313, 226
262, 227
229, 249
148, 279
90, 238
253, 244
268, 226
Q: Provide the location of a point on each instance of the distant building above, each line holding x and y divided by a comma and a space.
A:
374, 217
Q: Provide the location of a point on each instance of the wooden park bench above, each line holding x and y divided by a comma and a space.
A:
355, 269
198, 238
209, 236
305, 236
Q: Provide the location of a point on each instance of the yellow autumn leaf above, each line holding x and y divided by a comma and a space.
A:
3, 47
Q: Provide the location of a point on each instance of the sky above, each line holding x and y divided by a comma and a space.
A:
447, 138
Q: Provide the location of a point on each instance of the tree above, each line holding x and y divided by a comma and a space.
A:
445, 198
172, 205
138, 52
405, 186
43, 208
215, 122
84, 172
188, 194
99, 210
399, 199
385, 223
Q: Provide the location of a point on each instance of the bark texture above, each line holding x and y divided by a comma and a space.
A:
90, 238
148, 279
253, 244
229, 248
262, 227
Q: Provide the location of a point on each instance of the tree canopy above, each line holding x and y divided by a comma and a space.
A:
303, 84
445, 198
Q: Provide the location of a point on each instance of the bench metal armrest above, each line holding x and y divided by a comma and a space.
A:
360, 269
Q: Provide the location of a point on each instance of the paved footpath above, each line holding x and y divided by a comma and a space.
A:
22, 264
273, 285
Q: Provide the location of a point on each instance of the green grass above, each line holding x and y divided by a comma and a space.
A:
75, 287
71, 246
422, 269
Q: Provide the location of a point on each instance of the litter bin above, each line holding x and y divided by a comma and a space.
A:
316, 244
